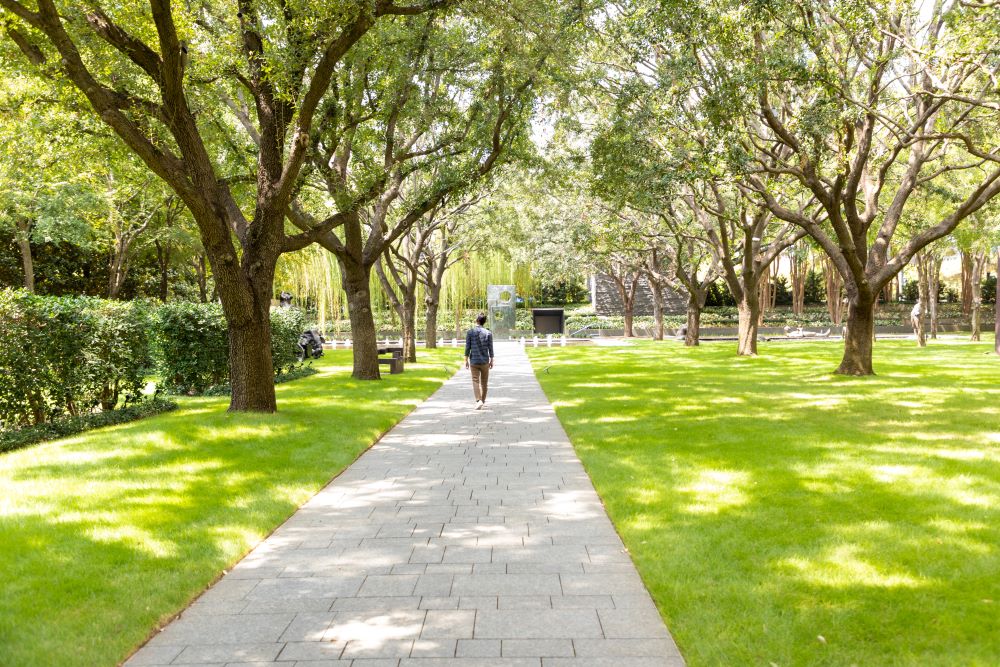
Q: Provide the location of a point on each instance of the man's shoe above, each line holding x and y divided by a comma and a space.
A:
479, 405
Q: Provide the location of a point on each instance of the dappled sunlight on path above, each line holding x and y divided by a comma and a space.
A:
463, 537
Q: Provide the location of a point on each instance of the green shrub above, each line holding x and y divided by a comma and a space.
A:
23, 369
719, 294
815, 288
67, 355
193, 344
782, 293
30, 435
287, 324
119, 352
562, 292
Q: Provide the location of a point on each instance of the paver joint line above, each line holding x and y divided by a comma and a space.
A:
462, 537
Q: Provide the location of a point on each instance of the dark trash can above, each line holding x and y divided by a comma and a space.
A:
548, 320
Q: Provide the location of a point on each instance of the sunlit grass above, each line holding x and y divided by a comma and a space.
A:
784, 515
106, 534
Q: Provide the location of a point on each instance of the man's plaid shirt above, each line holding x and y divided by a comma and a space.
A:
479, 345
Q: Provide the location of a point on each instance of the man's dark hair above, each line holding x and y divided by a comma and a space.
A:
481, 319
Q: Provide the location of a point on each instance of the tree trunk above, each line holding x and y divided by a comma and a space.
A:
163, 263
693, 333
118, 265
933, 287
978, 264
967, 292
799, 273
923, 278
405, 307
245, 291
974, 319
996, 310
430, 329
748, 310
657, 291
432, 300
627, 294
27, 262
769, 291
356, 280
115, 277
409, 320
918, 328
251, 373
765, 290
834, 287
858, 338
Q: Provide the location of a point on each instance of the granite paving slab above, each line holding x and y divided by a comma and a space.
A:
464, 537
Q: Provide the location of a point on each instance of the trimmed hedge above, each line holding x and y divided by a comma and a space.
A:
30, 435
67, 356
72, 356
892, 314
287, 324
193, 346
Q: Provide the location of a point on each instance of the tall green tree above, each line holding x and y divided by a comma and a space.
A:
158, 73
43, 191
857, 106
864, 105
419, 115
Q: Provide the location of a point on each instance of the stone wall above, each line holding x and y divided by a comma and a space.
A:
606, 300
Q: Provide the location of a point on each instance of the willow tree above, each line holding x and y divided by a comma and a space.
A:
417, 114
157, 74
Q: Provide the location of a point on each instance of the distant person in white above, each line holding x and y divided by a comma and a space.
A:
918, 310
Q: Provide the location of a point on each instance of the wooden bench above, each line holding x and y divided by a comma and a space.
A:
394, 361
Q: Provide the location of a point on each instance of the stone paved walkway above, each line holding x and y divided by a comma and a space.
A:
462, 538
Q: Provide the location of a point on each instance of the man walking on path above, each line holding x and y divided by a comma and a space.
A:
479, 357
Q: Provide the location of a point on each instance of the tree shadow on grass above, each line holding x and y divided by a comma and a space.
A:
104, 535
783, 515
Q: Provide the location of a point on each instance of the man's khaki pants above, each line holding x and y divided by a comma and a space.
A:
480, 379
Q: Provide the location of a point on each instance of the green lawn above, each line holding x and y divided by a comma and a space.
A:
781, 515
106, 534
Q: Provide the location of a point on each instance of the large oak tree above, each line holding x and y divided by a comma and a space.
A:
157, 73
413, 118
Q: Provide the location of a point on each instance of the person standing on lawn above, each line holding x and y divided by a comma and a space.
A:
479, 358
915, 317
